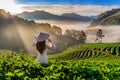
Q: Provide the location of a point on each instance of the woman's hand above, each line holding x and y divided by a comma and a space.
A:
49, 40
51, 45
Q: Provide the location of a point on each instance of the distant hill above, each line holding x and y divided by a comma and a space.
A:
38, 15
77, 17
42, 15
111, 17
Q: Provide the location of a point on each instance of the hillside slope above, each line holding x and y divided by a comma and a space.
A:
111, 17
83, 51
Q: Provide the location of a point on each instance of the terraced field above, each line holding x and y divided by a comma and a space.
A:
81, 51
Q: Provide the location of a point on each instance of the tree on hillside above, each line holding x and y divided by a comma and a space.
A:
99, 36
82, 36
76, 34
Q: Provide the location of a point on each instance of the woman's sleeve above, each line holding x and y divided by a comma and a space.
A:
51, 45
34, 42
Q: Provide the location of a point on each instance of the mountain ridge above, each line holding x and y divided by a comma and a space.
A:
111, 17
78, 17
43, 15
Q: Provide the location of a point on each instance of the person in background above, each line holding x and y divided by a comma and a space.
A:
99, 35
42, 42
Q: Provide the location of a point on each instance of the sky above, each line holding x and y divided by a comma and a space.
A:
82, 7
73, 2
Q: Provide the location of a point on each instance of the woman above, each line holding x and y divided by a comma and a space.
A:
42, 43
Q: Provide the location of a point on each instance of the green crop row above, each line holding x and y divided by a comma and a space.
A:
23, 67
86, 51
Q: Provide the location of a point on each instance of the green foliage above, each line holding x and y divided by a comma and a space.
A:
13, 67
118, 50
113, 50
83, 62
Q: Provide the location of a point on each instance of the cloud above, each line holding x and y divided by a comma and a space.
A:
86, 10
112, 33
9, 5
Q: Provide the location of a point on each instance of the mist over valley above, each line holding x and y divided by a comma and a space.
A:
70, 32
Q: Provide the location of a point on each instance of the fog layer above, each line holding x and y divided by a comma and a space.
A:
112, 33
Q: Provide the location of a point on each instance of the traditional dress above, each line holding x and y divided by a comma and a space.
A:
49, 45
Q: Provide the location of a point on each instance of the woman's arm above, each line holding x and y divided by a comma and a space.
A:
51, 44
34, 42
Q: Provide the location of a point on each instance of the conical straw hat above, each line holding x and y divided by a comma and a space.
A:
42, 36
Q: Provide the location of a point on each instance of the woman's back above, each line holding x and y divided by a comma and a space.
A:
42, 57
42, 47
